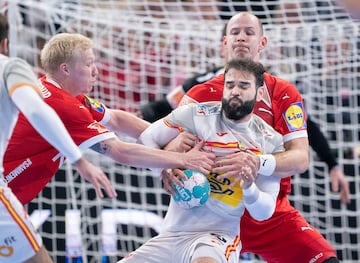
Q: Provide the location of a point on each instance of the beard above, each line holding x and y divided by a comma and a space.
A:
237, 111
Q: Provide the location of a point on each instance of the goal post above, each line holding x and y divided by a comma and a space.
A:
144, 49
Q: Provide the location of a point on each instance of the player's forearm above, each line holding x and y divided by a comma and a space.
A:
294, 160
174, 96
139, 155
126, 123
143, 156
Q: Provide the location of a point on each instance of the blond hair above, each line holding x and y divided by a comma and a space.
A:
60, 49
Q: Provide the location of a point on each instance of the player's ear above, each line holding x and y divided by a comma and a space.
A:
260, 93
263, 44
4, 46
64, 68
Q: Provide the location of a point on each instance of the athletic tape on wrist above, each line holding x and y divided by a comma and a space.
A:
267, 164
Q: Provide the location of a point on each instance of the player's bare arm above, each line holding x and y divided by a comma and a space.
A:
102, 147
295, 158
126, 123
142, 156
243, 166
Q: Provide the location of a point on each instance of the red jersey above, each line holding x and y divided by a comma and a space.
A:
30, 161
281, 107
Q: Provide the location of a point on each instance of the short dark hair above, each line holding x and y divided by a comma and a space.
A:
4, 27
247, 65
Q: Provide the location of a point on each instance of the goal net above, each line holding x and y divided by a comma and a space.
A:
144, 50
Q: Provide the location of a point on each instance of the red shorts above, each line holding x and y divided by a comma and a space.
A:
285, 237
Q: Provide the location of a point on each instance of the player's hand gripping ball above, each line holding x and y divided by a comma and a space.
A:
195, 192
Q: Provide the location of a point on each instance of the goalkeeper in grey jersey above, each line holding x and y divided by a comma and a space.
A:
211, 233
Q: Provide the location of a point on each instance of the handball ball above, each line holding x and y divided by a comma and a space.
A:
195, 192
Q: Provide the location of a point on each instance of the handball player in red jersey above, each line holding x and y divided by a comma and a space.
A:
286, 236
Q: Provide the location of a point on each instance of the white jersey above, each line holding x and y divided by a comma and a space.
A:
222, 211
212, 230
20, 240
9, 111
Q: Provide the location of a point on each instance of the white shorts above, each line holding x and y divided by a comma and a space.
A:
19, 240
184, 247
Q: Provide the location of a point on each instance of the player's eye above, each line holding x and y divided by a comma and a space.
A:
230, 84
239, 84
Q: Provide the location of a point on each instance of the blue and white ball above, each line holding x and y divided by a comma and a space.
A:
195, 192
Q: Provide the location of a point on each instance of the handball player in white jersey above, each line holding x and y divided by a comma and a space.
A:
211, 233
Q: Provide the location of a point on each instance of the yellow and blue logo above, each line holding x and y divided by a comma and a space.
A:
220, 190
94, 104
295, 117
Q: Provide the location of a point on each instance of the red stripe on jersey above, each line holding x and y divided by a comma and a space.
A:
253, 150
227, 145
173, 126
231, 248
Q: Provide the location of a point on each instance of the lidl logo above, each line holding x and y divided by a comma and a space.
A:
294, 117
